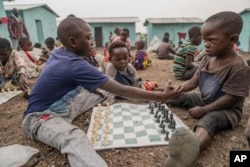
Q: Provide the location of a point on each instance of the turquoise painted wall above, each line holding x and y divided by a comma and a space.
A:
245, 33
48, 23
3, 27
107, 27
159, 30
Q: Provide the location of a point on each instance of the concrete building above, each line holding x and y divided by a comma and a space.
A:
245, 33
101, 28
40, 20
176, 27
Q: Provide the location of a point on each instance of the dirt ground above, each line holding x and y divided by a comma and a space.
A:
216, 155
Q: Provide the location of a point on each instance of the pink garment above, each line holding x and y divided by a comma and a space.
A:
128, 42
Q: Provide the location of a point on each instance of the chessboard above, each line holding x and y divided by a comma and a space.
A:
124, 125
8, 94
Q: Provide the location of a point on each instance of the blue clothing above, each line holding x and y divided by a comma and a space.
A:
63, 73
126, 78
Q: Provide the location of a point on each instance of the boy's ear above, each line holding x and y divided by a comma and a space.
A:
234, 38
72, 42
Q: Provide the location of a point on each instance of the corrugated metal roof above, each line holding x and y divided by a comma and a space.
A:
172, 20
112, 20
28, 6
245, 10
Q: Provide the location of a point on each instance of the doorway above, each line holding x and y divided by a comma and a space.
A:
39, 31
98, 37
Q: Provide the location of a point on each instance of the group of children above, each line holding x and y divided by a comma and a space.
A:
76, 86
19, 66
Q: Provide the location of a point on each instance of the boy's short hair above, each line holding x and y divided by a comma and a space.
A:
49, 40
126, 30
5, 43
140, 43
166, 34
193, 31
230, 22
22, 41
116, 29
114, 45
37, 45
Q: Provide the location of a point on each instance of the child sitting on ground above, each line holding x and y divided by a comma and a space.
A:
141, 57
223, 78
184, 66
67, 87
50, 46
119, 68
30, 58
12, 67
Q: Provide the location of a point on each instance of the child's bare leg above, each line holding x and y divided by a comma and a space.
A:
203, 137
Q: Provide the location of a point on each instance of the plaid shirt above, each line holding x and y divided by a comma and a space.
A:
14, 65
16, 28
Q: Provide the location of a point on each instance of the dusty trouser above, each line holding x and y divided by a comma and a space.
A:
53, 127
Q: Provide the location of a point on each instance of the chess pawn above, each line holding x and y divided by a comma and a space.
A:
152, 110
93, 139
105, 140
167, 137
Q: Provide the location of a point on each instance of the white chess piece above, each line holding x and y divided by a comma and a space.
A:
105, 140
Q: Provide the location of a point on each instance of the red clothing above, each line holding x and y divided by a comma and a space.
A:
16, 27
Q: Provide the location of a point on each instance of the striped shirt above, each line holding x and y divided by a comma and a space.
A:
179, 65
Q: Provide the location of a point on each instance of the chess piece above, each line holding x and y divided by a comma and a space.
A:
155, 105
156, 114
152, 110
162, 121
173, 125
158, 119
105, 140
93, 139
163, 129
166, 118
167, 137
183, 148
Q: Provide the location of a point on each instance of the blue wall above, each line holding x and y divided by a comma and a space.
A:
245, 33
159, 30
48, 21
3, 27
109, 27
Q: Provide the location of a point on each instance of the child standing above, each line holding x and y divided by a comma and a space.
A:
73, 83
141, 57
31, 59
183, 66
12, 67
223, 78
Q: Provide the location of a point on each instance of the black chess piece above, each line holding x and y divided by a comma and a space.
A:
156, 114
173, 125
158, 119
170, 125
163, 129
167, 137
155, 105
162, 122
171, 116
162, 108
152, 111
166, 118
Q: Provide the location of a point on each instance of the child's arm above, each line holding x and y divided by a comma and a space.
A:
189, 61
43, 59
140, 94
222, 103
190, 84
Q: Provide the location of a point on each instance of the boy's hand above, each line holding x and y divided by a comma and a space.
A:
173, 92
197, 112
24, 85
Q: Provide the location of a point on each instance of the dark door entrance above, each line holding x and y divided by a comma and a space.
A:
98, 36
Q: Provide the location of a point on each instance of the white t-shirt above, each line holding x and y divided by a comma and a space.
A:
31, 66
